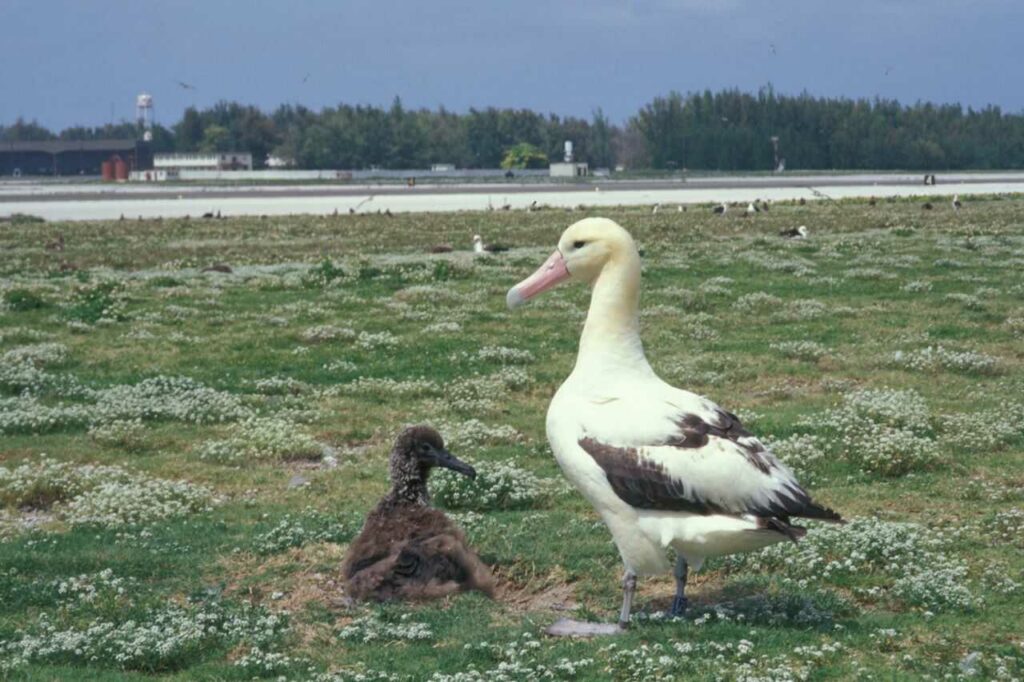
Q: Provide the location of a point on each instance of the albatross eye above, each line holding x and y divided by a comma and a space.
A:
579, 244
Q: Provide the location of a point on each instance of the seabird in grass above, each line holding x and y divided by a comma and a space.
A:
479, 247
720, 209
407, 549
795, 233
664, 467
957, 205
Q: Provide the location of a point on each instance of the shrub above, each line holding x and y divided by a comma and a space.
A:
800, 350
882, 431
102, 300
322, 274
298, 531
263, 438
932, 359
20, 300
498, 485
127, 434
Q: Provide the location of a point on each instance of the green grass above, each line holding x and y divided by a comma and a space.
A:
128, 301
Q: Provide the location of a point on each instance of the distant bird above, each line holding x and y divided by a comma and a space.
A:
186, 86
803, 201
441, 248
654, 211
533, 205
56, 244
927, 205
794, 233
479, 246
387, 212
680, 209
751, 209
771, 46
351, 211
956, 202
407, 550
764, 205
888, 70
306, 77
218, 267
121, 218
720, 209
208, 215
506, 207
509, 174
872, 201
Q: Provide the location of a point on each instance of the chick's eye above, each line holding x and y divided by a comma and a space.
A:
578, 245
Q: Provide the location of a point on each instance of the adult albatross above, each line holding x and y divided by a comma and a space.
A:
664, 467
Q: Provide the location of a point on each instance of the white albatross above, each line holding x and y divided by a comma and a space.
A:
663, 467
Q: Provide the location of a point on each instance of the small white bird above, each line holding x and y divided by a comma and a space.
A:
655, 210
751, 209
480, 248
795, 233
956, 202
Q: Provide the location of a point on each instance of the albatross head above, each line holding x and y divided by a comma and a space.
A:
584, 249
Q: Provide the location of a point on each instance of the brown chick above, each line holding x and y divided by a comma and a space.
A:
408, 550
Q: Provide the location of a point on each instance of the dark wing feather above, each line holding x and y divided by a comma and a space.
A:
645, 483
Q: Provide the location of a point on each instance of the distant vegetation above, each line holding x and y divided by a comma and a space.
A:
728, 130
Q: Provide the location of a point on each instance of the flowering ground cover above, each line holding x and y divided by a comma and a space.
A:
185, 453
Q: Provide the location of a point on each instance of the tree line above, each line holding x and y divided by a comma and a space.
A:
728, 130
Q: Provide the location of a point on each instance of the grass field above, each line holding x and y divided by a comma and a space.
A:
185, 454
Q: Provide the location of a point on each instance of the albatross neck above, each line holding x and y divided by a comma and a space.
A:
611, 335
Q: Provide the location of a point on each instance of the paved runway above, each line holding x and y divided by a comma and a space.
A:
95, 201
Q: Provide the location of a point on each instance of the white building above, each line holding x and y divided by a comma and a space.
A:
203, 161
569, 170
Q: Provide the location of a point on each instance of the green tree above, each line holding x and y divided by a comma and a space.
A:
188, 133
524, 155
216, 139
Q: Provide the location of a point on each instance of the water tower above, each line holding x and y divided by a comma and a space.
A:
144, 114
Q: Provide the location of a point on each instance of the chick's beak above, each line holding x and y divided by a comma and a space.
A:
443, 458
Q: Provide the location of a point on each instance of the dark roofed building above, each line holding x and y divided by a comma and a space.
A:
70, 157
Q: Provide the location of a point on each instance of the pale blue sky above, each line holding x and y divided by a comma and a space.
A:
68, 62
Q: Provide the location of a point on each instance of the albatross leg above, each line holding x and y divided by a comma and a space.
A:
628, 590
680, 602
